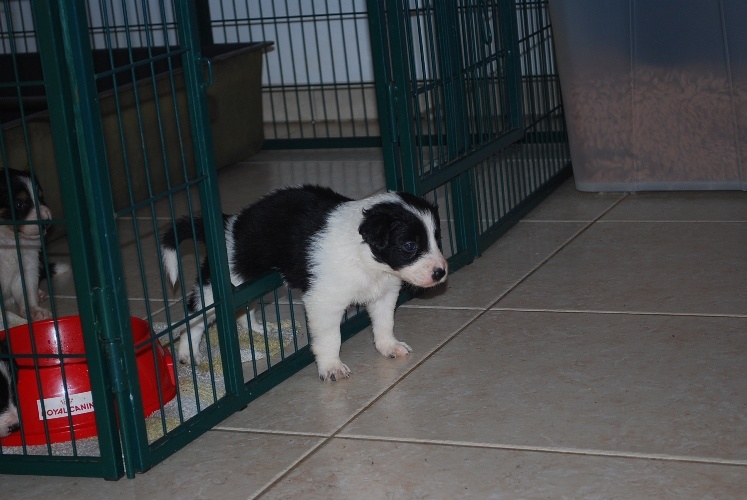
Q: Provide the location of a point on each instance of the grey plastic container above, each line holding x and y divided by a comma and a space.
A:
655, 92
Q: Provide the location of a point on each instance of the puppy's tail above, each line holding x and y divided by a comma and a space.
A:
173, 235
52, 269
183, 228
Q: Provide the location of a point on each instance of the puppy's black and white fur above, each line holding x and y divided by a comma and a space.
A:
22, 199
337, 251
8, 402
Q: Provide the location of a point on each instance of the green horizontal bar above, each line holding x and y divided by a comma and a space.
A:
323, 143
141, 62
465, 162
47, 465
27, 83
250, 292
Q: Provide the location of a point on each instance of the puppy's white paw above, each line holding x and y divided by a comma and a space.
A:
333, 370
38, 313
41, 294
394, 349
184, 355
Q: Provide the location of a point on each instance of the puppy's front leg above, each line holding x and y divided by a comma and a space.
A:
31, 282
324, 323
381, 312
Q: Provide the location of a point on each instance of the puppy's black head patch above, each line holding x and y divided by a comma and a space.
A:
397, 236
17, 195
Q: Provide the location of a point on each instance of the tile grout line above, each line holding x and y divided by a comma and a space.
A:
248, 430
499, 446
621, 313
445, 308
551, 449
635, 221
560, 248
576, 311
656, 221
336, 433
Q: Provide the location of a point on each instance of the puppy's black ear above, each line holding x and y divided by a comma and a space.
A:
376, 225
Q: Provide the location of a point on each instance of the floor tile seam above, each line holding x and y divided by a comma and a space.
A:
555, 221
621, 313
335, 432
312, 160
442, 307
551, 449
634, 221
670, 221
265, 488
568, 241
255, 430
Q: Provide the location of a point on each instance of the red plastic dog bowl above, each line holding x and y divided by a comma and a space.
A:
60, 370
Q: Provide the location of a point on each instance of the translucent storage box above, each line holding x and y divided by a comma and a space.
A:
655, 92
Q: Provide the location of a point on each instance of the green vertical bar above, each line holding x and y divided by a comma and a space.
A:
205, 25
510, 33
209, 196
397, 18
385, 97
58, 89
79, 145
450, 45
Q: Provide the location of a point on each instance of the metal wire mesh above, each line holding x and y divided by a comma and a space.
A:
318, 79
482, 170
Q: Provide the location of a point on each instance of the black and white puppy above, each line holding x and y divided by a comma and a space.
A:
25, 196
8, 402
337, 251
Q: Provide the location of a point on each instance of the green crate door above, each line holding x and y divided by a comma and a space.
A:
447, 80
87, 194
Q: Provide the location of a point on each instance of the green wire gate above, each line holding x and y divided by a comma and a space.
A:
113, 108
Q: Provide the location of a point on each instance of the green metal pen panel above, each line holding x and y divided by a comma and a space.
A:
470, 107
110, 106
131, 151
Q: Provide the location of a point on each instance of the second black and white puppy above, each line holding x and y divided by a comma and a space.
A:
8, 402
22, 203
337, 251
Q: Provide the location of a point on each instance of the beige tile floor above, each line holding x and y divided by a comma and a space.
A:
598, 349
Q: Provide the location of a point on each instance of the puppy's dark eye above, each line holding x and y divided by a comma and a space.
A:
409, 246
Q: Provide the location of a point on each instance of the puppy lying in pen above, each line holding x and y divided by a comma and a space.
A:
337, 251
21, 193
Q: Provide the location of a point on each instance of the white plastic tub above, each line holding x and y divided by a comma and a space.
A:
655, 92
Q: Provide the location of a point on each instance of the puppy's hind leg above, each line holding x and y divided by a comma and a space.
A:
189, 343
381, 312
250, 324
